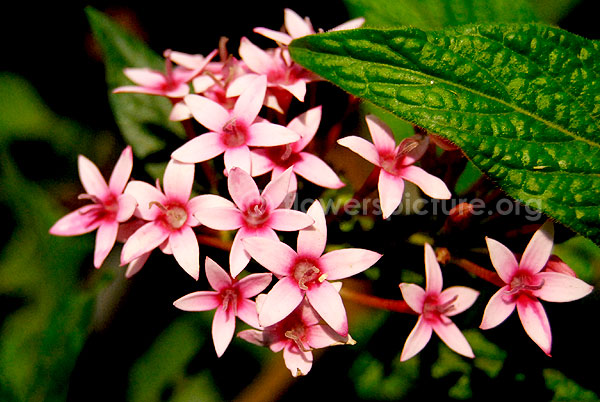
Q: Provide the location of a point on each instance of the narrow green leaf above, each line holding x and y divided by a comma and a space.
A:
140, 117
521, 101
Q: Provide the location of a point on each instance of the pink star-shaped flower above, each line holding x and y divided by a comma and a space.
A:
232, 130
170, 218
278, 159
254, 213
297, 335
110, 206
395, 163
307, 272
526, 283
434, 306
230, 298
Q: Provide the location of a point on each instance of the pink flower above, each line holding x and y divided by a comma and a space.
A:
254, 213
395, 163
434, 306
278, 159
297, 335
526, 283
307, 272
169, 218
110, 206
230, 298
232, 130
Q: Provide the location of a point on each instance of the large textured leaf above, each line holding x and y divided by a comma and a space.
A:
140, 117
521, 101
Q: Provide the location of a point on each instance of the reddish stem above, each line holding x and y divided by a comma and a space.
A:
399, 306
478, 271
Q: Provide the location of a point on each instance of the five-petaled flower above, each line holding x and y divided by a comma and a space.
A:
395, 163
110, 206
434, 306
307, 272
526, 283
230, 298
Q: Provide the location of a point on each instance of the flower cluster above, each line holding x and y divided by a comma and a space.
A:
244, 106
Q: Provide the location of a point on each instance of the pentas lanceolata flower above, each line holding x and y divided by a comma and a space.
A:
304, 309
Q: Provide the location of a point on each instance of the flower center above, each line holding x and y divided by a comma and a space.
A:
392, 161
523, 283
174, 215
101, 208
257, 213
234, 134
433, 309
305, 273
296, 334
229, 298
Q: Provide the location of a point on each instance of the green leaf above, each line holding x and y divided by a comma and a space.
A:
142, 119
565, 389
521, 101
433, 14
372, 383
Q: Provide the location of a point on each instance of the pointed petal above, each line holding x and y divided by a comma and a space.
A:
538, 250
382, 136
261, 163
451, 335
306, 125
280, 301
144, 240
127, 206
223, 327
352, 24
251, 100
242, 188
498, 309
322, 336
178, 181
218, 279
200, 149
325, 299
460, 297
238, 257
266, 134
277, 36
561, 288
198, 301
145, 194
362, 147
297, 88
186, 251
91, 178
417, 339
503, 259
239, 84
313, 239
136, 265
253, 284
120, 174
75, 223
391, 191
416, 153
433, 274
340, 264
277, 189
246, 310
296, 25
298, 362
288, 220
227, 218
207, 112
207, 201
255, 58
274, 255
238, 157
254, 336
105, 240
140, 90
414, 296
317, 171
429, 184
145, 77
534, 320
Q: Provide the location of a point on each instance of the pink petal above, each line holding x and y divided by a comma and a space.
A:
238, 257
239, 84
298, 362
382, 136
414, 296
391, 191
322, 336
340, 264
220, 218
266, 134
141, 90
362, 147
274, 255
417, 339
316, 171
186, 251
297, 88
261, 163
534, 320
306, 125
429, 184
91, 178
136, 265
352, 24
207, 112
561, 288
198, 301
223, 327
277, 36
145, 194
145, 239
254, 336
218, 279
433, 273
280, 301
251, 100
325, 299
539, 249
451, 335
120, 174
145, 77
277, 189
207, 201
75, 223
199, 149
296, 25
127, 206
255, 58
253, 284
498, 309
460, 297
238, 157
313, 239
178, 181
415, 154
246, 310
242, 188
288, 220
105, 240
503, 259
